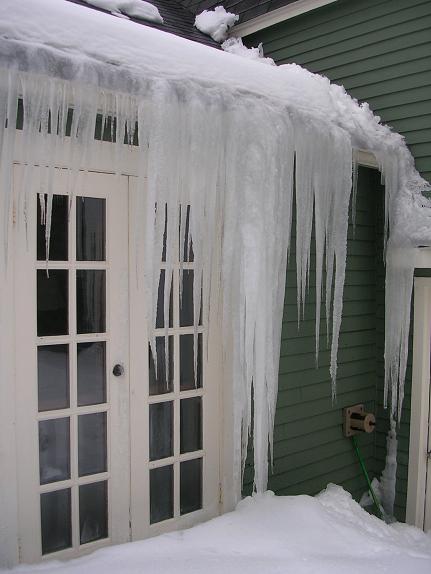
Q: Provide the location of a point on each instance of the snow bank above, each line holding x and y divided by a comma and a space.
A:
221, 134
235, 46
328, 534
216, 23
133, 8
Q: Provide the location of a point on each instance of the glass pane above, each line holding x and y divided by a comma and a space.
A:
52, 302
91, 373
186, 301
90, 229
160, 316
191, 424
54, 450
161, 430
188, 254
58, 245
91, 444
159, 385
187, 377
161, 493
55, 520
53, 377
90, 301
93, 511
190, 485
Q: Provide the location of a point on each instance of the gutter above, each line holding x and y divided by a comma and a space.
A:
276, 16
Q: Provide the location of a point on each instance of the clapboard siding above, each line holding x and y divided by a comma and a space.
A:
309, 447
380, 51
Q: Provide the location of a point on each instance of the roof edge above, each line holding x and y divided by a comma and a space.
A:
275, 16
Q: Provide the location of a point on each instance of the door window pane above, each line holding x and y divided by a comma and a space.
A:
190, 485
186, 300
188, 254
90, 229
58, 245
54, 450
93, 511
53, 377
161, 493
160, 316
91, 373
162, 383
92, 443
90, 300
55, 519
161, 430
187, 376
52, 302
191, 424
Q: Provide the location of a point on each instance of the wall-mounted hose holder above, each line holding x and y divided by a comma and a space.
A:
356, 420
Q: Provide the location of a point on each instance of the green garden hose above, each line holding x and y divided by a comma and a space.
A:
367, 478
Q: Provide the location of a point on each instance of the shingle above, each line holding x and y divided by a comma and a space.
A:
176, 20
246, 9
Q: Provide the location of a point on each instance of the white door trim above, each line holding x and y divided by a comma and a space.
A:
420, 404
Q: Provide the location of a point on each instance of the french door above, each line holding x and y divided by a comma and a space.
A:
110, 448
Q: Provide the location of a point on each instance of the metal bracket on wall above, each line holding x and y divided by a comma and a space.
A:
356, 420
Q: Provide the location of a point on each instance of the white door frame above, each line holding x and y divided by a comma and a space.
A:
418, 508
99, 161
114, 190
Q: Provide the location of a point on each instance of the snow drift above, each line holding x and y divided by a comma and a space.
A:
221, 134
328, 534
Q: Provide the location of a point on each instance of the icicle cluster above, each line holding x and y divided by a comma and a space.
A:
233, 164
232, 157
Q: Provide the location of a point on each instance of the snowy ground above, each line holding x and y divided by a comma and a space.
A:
269, 534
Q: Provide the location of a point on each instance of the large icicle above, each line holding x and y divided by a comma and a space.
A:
220, 143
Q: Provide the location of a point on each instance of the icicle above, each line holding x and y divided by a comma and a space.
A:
227, 162
389, 474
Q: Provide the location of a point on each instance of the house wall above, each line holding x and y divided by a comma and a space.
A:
380, 51
310, 449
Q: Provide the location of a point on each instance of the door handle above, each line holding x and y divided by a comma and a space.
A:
118, 370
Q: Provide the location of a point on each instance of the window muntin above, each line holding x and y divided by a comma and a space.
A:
73, 397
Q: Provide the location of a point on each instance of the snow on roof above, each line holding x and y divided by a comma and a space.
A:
116, 53
216, 23
129, 8
267, 534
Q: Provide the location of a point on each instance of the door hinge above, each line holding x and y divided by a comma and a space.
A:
220, 494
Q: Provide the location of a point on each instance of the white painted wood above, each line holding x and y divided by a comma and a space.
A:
366, 158
423, 258
418, 495
115, 191
276, 16
140, 401
8, 478
128, 472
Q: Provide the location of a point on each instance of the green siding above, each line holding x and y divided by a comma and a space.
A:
380, 51
309, 447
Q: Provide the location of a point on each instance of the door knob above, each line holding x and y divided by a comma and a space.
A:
118, 370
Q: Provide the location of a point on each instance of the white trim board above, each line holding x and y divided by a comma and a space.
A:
420, 404
276, 16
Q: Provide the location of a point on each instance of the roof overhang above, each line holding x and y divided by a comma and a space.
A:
275, 16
